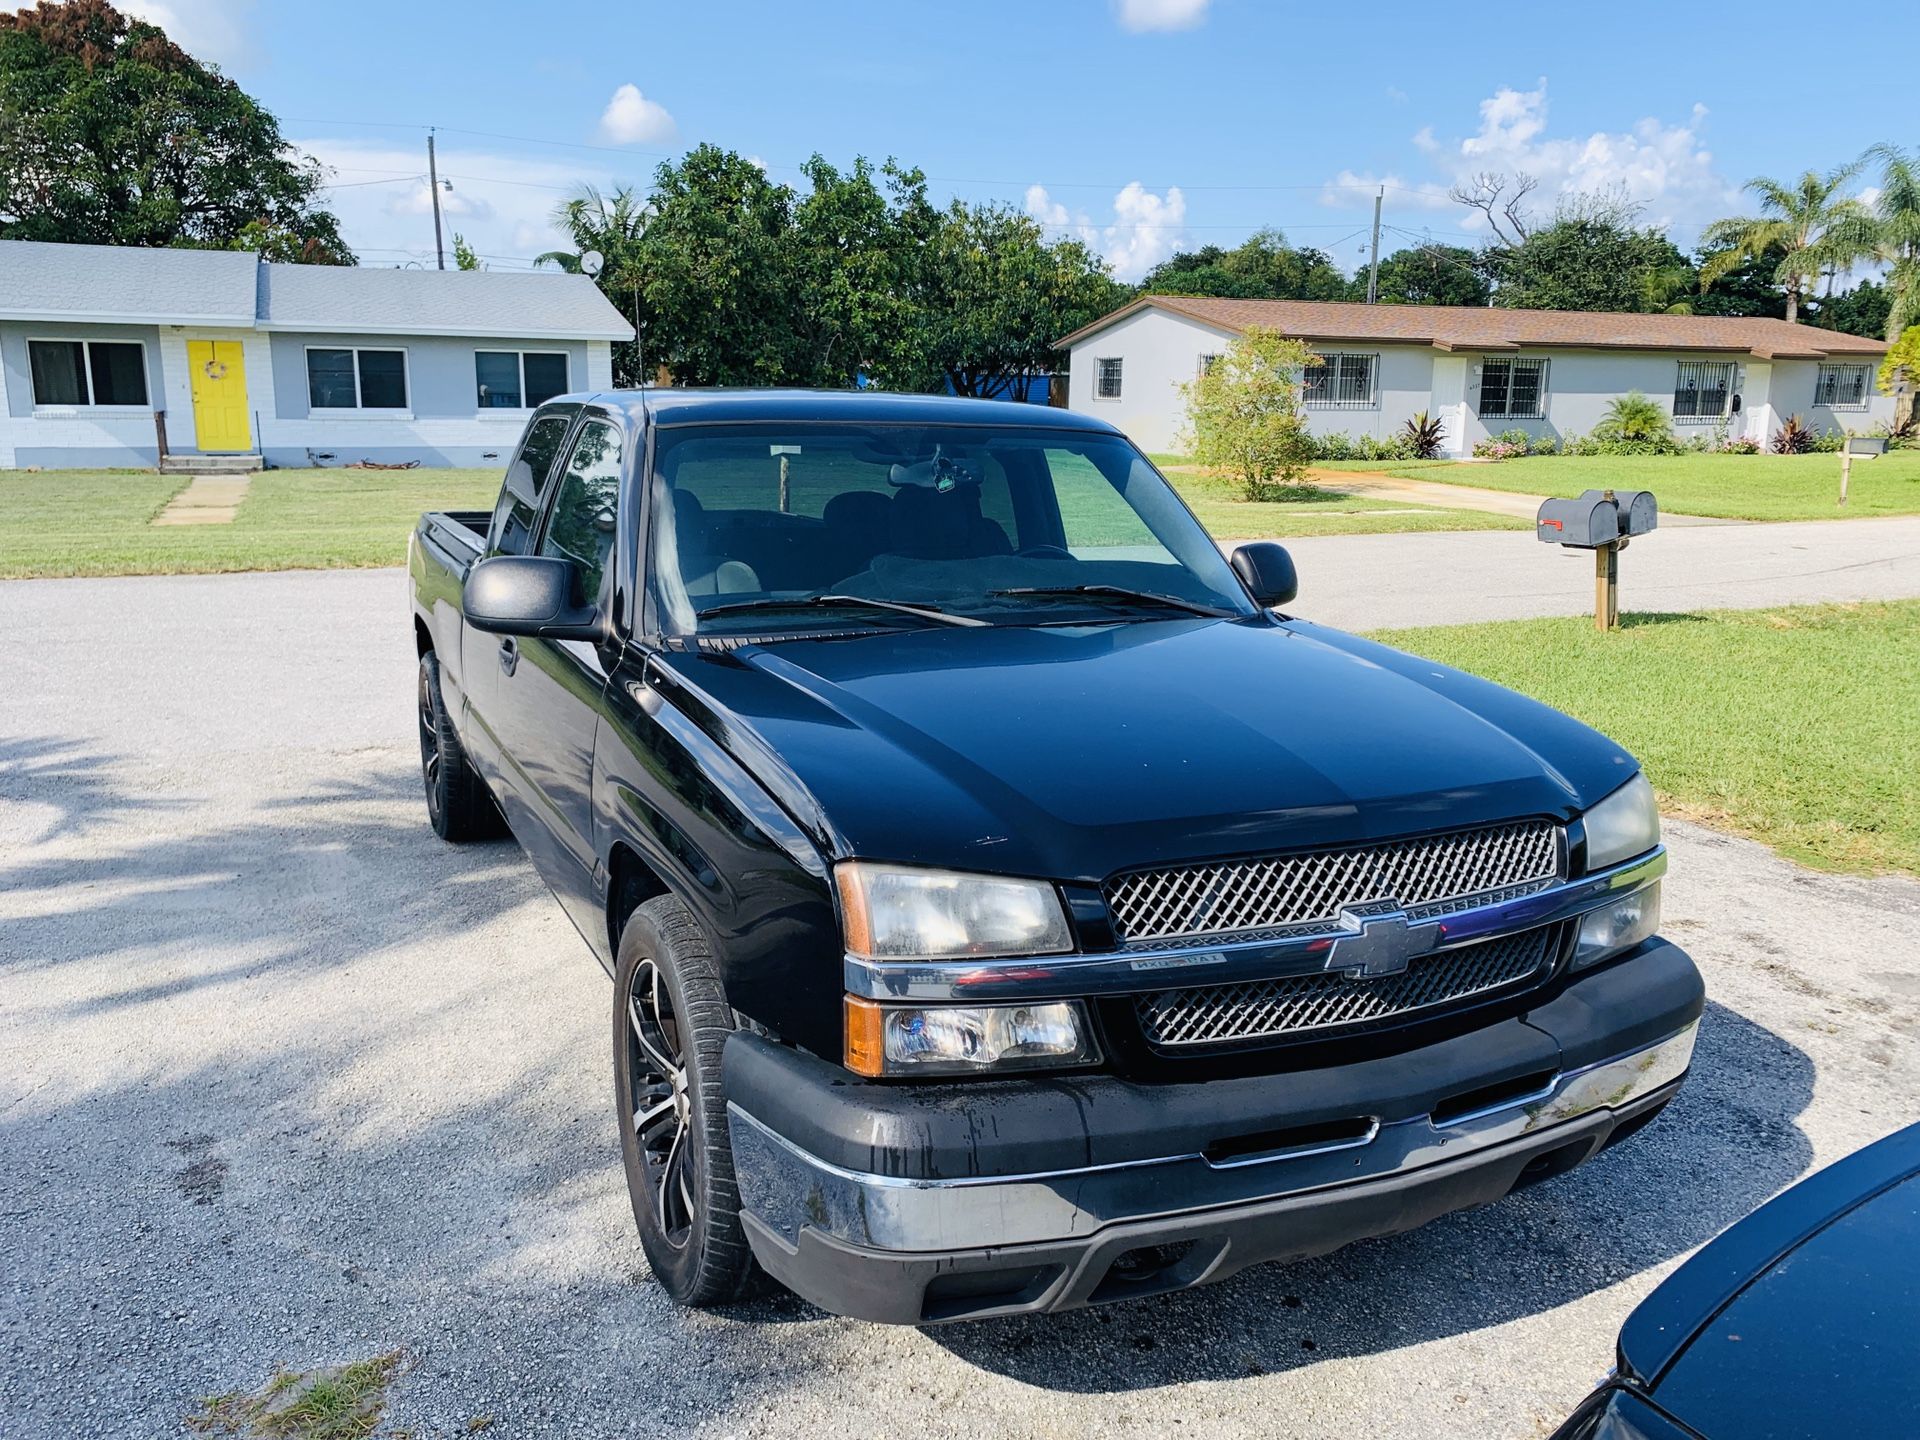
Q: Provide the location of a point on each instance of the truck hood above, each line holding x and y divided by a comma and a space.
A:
1073, 752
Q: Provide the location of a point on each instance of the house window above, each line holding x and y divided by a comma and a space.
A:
346, 379
1841, 387
1339, 382
1700, 391
1513, 389
1106, 383
518, 379
88, 372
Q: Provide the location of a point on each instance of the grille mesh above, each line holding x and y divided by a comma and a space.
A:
1429, 875
1272, 1009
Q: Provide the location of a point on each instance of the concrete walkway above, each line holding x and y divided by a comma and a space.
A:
1361, 582
1406, 491
209, 500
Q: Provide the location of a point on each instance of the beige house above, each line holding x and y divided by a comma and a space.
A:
1482, 371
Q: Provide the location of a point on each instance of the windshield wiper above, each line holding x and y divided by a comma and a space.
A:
805, 602
1121, 592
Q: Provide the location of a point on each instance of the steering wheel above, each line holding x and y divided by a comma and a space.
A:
1044, 552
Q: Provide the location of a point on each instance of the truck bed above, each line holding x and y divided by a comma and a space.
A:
456, 538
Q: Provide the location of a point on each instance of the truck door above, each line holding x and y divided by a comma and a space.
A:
545, 700
515, 515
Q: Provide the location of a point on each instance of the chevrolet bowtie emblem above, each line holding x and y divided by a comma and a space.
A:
1377, 941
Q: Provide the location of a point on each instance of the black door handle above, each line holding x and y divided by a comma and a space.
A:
509, 655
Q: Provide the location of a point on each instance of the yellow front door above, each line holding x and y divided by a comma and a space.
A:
220, 417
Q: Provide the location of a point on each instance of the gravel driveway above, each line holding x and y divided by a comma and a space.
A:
288, 1081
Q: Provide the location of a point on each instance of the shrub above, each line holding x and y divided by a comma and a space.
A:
1423, 435
1395, 447
1793, 438
1829, 442
1545, 445
1636, 426
1337, 446
1902, 434
1243, 413
1743, 445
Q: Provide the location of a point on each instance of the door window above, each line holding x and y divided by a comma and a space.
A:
586, 511
526, 482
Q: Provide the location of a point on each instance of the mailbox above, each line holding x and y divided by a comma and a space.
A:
1587, 522
1638, 513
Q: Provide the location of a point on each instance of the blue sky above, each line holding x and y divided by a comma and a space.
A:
1143, 125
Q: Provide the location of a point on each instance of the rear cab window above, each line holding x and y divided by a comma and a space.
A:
518, 508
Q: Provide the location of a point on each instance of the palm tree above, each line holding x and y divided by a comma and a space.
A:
1897, 221
1819, 230
613, 226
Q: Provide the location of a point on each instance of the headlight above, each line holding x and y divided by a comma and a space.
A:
1617, 926
1625, 824
965, 1039
897, 912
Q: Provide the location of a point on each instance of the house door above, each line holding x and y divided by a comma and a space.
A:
221, 420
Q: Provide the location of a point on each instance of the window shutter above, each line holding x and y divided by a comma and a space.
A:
1540, 404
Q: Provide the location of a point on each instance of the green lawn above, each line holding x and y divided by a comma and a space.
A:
93, 522
97, 522
1795, 726
1735, 487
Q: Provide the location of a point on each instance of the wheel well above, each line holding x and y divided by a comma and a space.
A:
422, 641
631, 882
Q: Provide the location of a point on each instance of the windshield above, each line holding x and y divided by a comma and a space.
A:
789, 528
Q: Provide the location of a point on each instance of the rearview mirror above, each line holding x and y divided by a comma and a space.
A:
529, 595
1266, 569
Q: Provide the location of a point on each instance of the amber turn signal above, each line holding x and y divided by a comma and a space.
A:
865, 1048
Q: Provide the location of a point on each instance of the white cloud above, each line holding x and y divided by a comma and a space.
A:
1664, 166
216, 31
1146, 228
501, 203
632, 119
1143, 15
1352, 188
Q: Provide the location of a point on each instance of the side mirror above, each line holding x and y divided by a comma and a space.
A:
529, 595
1266, 569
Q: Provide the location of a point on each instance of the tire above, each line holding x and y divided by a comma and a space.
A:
458, 805
670, 1019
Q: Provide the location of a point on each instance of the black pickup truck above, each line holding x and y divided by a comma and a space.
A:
1008, 908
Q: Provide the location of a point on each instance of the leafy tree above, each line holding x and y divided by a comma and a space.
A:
110, 134
992, 297
464, 257
857, 251
1903, 354
1591, 256
1261, 267
1428, 275
1812, 226
715, 264
1746, 289
1243, 413
1897, 234
1862, 310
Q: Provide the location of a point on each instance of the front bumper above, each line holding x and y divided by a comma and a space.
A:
940, 1202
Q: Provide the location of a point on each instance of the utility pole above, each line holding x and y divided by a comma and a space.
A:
1373, 267
433, 184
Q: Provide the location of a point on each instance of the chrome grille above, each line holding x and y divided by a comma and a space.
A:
1274, 1009
1427, 876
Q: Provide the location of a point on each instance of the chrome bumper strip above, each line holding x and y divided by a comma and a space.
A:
787, 1188
1268, 957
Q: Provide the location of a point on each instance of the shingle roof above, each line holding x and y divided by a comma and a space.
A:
123, 284
1448, 327
540, 305
111, 284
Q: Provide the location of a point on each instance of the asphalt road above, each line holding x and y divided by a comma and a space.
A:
1363, 582
284, 1080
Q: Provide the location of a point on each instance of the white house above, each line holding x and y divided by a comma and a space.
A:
1481, 371
107, 352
